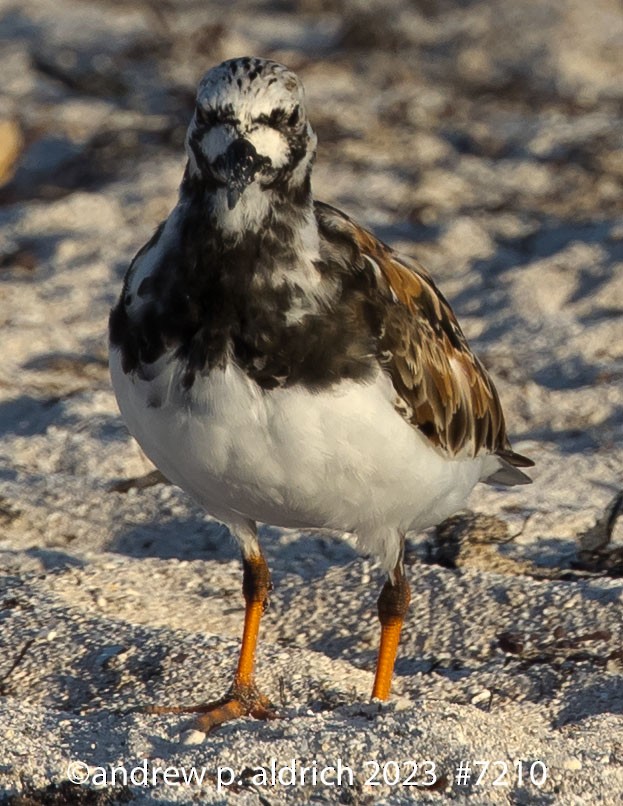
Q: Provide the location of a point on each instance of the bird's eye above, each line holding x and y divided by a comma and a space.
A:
279, 118
275, 118
207, 117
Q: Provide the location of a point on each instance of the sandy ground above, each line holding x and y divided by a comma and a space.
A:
482, 137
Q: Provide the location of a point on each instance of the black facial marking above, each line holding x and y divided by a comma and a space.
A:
276, 117
206, 117
280, 119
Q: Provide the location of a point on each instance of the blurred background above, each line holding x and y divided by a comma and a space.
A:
484, 137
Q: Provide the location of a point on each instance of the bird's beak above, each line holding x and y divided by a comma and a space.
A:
240, 164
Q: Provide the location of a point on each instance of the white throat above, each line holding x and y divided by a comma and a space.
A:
250, 214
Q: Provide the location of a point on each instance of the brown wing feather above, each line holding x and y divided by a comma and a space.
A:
441, 387
447, 391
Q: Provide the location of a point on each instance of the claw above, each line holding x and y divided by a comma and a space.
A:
240, 700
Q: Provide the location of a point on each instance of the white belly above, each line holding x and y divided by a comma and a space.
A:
340, 458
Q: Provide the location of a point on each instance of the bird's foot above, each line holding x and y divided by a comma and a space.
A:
240, 700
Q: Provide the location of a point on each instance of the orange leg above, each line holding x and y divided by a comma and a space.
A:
243, 698
392, 607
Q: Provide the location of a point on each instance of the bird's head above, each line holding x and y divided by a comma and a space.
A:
250, 135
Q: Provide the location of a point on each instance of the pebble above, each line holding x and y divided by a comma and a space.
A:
482, 697
192, 737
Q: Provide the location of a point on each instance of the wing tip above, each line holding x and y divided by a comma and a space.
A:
515, 459
507, 472
508, 476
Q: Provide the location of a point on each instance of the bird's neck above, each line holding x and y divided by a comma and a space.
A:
274, 222
276, 258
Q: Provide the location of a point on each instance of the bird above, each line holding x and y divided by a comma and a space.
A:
284, 366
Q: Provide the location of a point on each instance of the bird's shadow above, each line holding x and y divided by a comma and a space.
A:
603, 697
293, 556
193, 538
308, 554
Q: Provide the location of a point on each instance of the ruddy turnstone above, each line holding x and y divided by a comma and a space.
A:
281, 364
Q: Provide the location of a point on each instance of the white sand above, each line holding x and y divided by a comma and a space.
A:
484, 139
